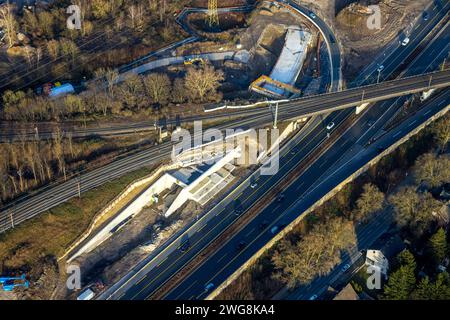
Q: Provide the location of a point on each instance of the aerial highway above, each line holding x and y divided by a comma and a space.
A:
302, 194
52, 195
147, 283
346, 156
17, 212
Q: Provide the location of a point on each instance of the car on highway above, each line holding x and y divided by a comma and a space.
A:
238, 211
253, 185
209, 286
425, 16
263, 224
274, 229
380, 68
345, 267
313, 297
312, 15
280, 197
184, 246
405, 41
370, 123
241, 245
330, 126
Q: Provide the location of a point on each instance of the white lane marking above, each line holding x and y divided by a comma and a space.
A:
249, 233
396, 134
409, 125
222, 257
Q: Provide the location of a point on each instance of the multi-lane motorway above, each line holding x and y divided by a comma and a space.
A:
146, 283
29, 207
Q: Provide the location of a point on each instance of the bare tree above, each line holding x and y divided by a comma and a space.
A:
8, 21
370, 201
433, 170
202, 83
316, 254
158, 87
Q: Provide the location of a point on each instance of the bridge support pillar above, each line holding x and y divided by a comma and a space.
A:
360, 108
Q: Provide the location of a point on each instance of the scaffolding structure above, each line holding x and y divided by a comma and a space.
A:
213, 15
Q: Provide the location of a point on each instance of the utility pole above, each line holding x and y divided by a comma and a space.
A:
276, 116
12, 218
79, 187
213, 15
36, 130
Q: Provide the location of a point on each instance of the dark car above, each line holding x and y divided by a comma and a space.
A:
241, 245
263, 224
184, 246
280, 197
425, 16
238, 211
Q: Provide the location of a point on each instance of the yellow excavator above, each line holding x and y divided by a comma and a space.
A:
194, 61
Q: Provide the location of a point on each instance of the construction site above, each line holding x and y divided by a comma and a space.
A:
264, 49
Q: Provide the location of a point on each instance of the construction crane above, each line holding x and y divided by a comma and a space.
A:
9, 283
213, 15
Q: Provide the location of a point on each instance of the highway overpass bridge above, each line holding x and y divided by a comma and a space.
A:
288, 110
328, 102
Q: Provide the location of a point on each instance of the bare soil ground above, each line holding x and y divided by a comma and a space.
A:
361, 45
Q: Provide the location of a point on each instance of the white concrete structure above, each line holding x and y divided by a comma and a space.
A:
199, 183
202, 188
290, 61
144, 199
377, 259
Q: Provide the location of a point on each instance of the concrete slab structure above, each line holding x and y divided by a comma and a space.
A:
281, 81
208, 184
